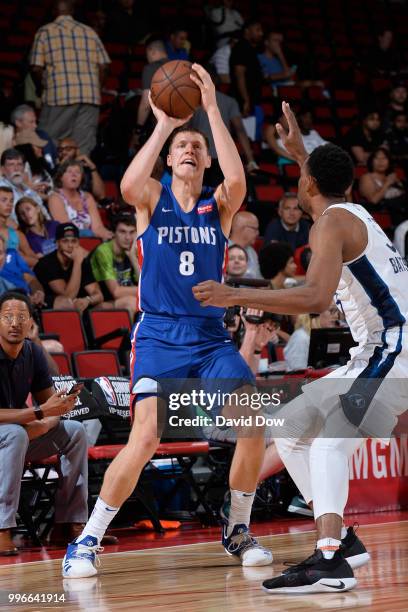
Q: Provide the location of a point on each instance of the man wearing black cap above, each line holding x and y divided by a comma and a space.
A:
66, 274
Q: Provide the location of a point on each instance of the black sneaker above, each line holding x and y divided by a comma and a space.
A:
318, 575
354, 551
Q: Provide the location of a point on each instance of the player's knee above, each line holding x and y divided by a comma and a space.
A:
144, 445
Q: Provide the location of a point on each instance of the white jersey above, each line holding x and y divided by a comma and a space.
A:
373, 289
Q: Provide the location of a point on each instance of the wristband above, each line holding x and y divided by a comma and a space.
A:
92, 169
38, 413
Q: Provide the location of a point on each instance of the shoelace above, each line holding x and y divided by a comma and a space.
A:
243, 541
84, 551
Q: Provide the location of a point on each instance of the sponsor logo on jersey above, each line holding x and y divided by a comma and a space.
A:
204, 208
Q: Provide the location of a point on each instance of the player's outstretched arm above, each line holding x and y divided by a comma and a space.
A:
315, 296
292, 140
137, 187
232, 191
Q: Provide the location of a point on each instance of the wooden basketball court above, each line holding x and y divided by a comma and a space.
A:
201, 578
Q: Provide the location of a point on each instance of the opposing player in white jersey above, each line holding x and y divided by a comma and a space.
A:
353, 260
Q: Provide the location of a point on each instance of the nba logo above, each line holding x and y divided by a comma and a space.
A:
107, 389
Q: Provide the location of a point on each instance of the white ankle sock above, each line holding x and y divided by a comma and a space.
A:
241, 506
99, 520
328, 546
343, 532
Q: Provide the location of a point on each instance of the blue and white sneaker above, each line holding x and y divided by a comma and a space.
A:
245, 547
81, 560
240, 543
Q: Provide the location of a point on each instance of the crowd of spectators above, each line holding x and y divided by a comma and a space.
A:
54, 176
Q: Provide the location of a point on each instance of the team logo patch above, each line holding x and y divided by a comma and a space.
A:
205, 208
107, 389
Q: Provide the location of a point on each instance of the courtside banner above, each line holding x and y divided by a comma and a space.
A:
113, 395
379, 476
85, 406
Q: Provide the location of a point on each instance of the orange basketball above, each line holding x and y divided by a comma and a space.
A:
173, 91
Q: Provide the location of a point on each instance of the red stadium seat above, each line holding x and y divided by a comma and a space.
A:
89, 243
269, 193
89, 364
105, 322
68, 325
63, 363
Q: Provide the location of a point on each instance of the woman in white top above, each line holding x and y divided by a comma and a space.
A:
296, 351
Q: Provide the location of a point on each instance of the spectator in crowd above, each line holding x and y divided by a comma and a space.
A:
398, 103
384, 59
122, 24
70, 59
225, 21
66, 273
39, 232
156, 56
18, 275
311, 137
244, 232
396, 140
7, 137
115, 267
296, 351
245, 69
13, 176
220, 60
68, 150
289, 227
30, 434
237, 262
23, 117
274, 64
37, 170
232, 118
277, 264
177, 45
5, 285
364, 138
69, 203
257, 336
14, 239
381, 187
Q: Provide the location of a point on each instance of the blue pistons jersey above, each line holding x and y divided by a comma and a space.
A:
178, 250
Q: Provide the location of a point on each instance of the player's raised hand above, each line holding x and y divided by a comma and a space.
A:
204, 81
292, 140
210, 293
171, 122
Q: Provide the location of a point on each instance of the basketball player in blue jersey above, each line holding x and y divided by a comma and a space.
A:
182, 240
354, 259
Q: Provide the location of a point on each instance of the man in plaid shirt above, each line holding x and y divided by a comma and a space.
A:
69, 61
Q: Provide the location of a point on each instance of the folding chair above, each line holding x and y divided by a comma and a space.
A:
36, 505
